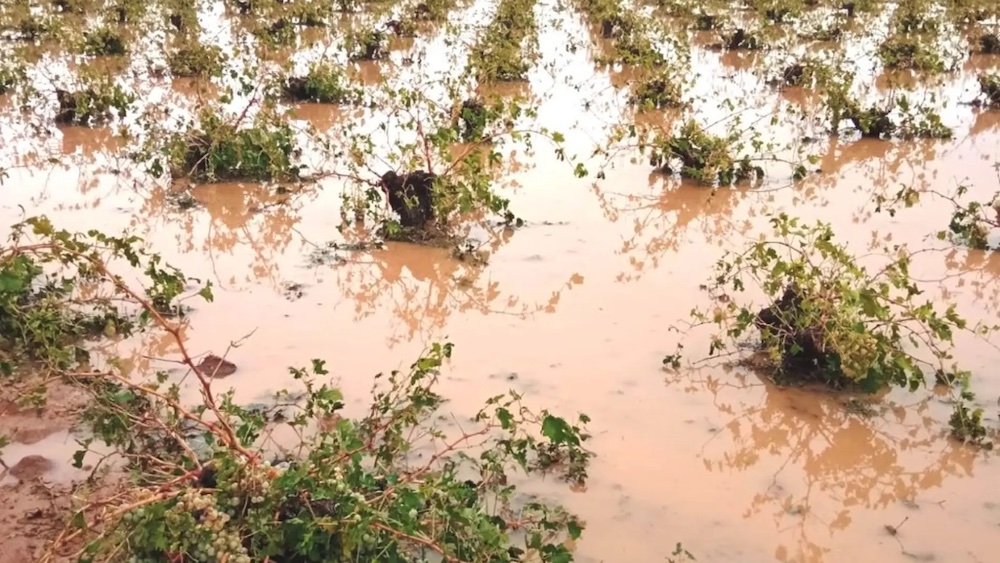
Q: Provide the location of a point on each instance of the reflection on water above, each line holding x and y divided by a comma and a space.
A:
88, 141
734, 468
423, 287
825, 461
661, 220
322, 116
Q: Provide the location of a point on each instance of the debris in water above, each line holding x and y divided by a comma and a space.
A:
214, 366
31, 467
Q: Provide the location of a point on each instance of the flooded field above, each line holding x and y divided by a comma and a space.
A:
576, 302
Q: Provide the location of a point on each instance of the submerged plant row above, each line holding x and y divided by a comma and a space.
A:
203, 483
504, 50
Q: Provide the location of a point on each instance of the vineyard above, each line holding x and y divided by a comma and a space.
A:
499, 280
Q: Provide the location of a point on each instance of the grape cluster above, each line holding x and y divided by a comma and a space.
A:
857, 354
199, 529
207, 525
255, 480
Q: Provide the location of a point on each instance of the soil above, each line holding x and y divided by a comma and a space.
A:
34, 501
31, 516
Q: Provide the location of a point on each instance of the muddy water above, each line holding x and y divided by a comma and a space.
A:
577, 310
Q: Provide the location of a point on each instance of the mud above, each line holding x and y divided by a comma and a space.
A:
30, 468
36, 476
577, 310
30, 515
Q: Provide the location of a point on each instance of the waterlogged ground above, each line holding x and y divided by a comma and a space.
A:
578, 308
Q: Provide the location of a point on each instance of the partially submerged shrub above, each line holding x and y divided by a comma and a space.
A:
967, 424
126, 11
825, 29
193, 58
355, 492
182, 15
424, 203
910, 52
243, 7
830, 320
920, 121
218, 150
503, 50
465, 187
911, 43
971, 223
95, 102
802, 73
704, 21
44, 319
279, 31
703, 157
989, 43
411, 196
10, 76
433, 10
474, 116
777, 11
741, 39
897, 116
311, 14
873, 121
633, 45
70, 6
324, 83
103, 41
630, 31
370, 45
658, 90
402, 27
205, 482
989, 85
35, 27
911, 18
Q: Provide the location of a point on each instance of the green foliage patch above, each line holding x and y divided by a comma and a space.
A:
45, 320
219, 150
104, 41
358, 492
835, 322
10, 77
96, 101
192, 58
505, 48
703, 157
324, 83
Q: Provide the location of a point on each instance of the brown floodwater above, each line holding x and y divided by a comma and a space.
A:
578, 308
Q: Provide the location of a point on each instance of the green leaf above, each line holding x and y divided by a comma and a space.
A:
574, 529
10, 283
869, 305
903, 363
79, 521
42, 226
206, 293
558, 431
505, 418
123, 396
78, 458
